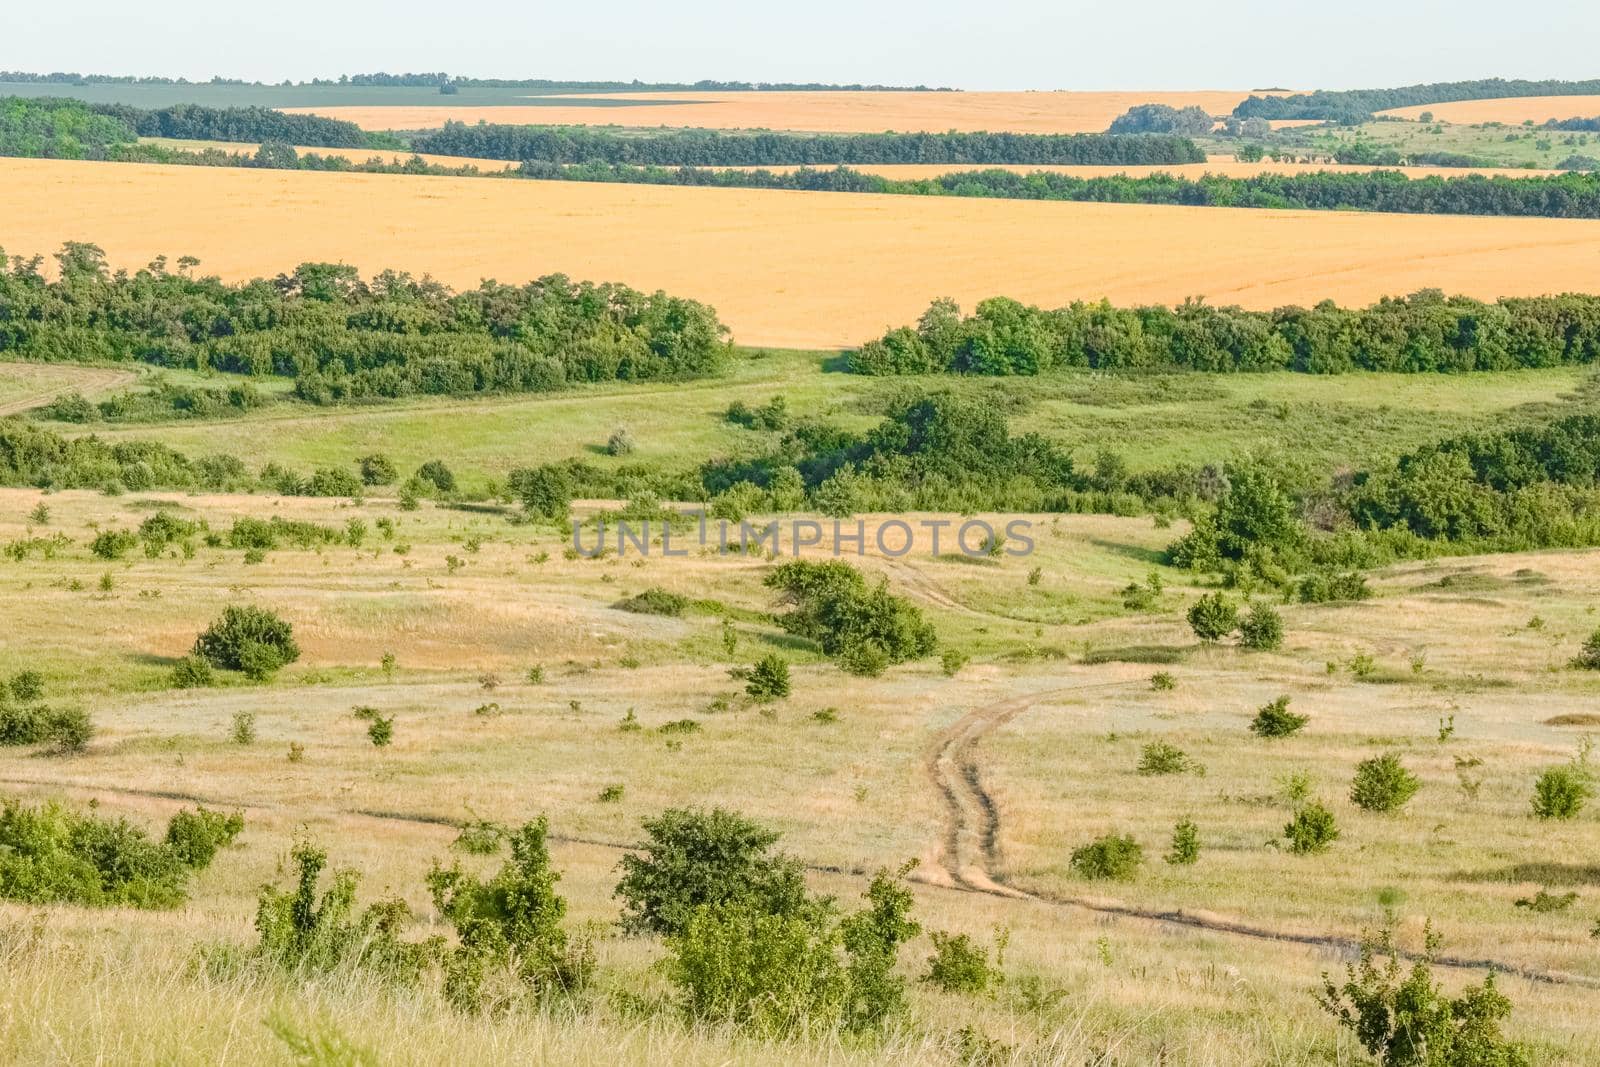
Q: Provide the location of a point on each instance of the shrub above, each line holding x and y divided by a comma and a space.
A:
1276, 720
655, 601
694, 858
192, 672
1311, 830
1213, 617
1159, 757
1561, 792
1545, 902
1383, 784
436, 475
951, 660
1589, 656
866, 628
1114, 856
197, 836
378, 469
1185, 844
250, 639
1408, 1020
769, 678
67, 730
508, 926
1324, 588
611, 794
1261, 628
620, 443
244, 728
480, 837
113, 544
304, 932
782, 973
51, 854
959, 964
26, 686
1163, 681
380, 731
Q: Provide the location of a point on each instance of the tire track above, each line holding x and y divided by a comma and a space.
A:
90, 380
969, 856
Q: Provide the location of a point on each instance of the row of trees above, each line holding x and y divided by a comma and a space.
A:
120, 123
576, 144
1420, 333
1357, 105
57, 130
439, 78
344, 337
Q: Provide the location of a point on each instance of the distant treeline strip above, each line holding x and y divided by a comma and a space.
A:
439, 78
345, 338
1354, 105
1426, 332
710, 148
89, 130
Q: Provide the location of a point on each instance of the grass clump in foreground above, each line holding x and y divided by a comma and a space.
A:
52, 854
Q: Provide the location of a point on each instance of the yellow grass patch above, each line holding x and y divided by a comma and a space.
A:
1513, 109
354, 155
1033, 112
783, 268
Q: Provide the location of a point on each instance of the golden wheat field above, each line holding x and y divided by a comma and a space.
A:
793, 269
822, 112
1513, 109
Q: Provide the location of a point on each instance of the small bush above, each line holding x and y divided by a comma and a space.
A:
620, 443
1326, 588
1185, 844
951, 660
1261, 629
113, 544
250, 639
380, 731
1163, 681
1407, 1020
692, 858
1159, 757
611, 794
655, 601
1561, 792
480, 837
378, 469
437, 476
1588, 657
244, 728
1545, 902
192, 672
1382, 784
769, 679
197, 836
26, 686
1276, 720
1311, 830
1213, 617
1116, 857
959, 964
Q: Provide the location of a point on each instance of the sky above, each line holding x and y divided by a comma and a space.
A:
995, 44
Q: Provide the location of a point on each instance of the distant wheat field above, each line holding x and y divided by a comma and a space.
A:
1511, 109
792, 269
826, 112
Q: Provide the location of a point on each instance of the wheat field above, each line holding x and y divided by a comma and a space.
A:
1511, 109
822, 112
790, 269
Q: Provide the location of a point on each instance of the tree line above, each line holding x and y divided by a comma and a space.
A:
345, 338
111, 124
1358, 105
438, 78
712, 148
1425, 332
71, 131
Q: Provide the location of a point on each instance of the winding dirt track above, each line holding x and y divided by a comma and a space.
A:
969, 847
85, 380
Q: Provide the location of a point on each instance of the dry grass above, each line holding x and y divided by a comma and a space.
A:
1511, 110
791, 269
823, 112
28, 385
850, 796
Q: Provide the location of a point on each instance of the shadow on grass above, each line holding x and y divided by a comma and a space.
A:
1157, 654
1152, 556
1542, 872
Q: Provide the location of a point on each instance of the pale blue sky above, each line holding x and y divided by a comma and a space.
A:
995, 44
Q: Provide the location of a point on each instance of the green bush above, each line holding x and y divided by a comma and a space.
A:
52, 854
808, 969
509, 928
26, 686
959, 964
437, 476
380, 731
1276, 720
769, 678
1114, 856
655, 601
1185, 844
1311, 830
1383, 784
67, 730
1325, 588
865, 627
113, 544
1213, 617
1589, 656
197, 836
1407, 1020
1261, 628
192, 672
378, 469
1561, 792
692, 858
951, 660
1160, 757
250, 639
303, 932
